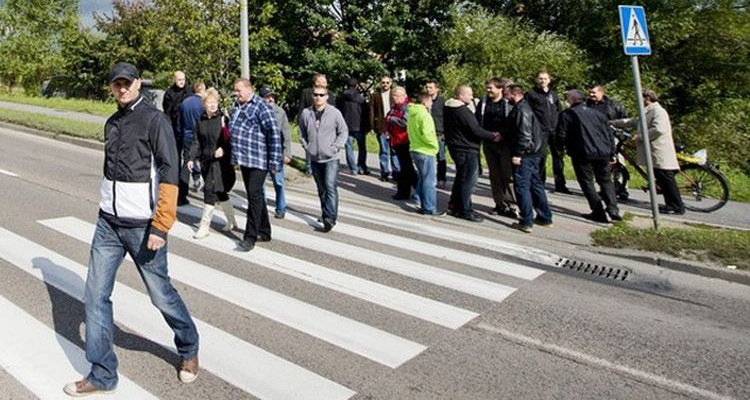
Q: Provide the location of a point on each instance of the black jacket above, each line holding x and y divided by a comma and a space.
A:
546, 107
609, 107
218, 173
526, 137
493, 116
173, 98
438, 114
585, 134
140, 168
350, 104
462, 131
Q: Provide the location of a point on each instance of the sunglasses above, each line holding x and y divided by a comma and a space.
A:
319, 94
385, 83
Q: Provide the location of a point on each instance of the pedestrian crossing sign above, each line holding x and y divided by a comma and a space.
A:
635, 39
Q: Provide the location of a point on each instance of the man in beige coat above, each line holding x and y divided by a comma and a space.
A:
663, 154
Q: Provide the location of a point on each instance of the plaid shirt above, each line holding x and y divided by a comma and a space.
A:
255, 135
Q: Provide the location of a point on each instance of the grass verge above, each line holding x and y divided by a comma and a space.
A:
696, 242
80, 105
56, 125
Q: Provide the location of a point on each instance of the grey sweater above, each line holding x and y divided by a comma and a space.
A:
322, 139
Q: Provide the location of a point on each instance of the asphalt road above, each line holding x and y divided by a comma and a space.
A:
389, 305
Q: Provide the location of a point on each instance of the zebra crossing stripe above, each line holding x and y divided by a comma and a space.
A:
359, 338
437, 276
43, 361
407, 224
416, 246
382, 295
245, 366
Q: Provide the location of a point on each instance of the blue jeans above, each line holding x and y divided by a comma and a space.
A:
278, 186
108, 248
426, 181
529, 190
326, 176
387, 157
360, 164
465, 181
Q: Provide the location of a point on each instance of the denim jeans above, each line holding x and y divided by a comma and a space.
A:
326, 177
467, 174
108, 248
387, 157
360, 164
426, 181
530, 193
278, 186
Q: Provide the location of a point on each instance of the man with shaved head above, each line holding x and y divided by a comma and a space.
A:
585, 134
463, 135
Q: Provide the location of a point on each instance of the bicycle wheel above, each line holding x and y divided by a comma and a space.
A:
702, 188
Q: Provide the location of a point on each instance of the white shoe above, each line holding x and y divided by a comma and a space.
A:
205, 224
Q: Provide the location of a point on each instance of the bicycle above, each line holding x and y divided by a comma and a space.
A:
702, 187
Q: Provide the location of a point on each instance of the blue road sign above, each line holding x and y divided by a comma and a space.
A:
635, 39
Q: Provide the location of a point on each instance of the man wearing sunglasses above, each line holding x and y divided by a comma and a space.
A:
323, 133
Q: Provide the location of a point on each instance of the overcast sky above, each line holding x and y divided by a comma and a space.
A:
89, 6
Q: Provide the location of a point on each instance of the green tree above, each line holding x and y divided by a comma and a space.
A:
483, 44
31, 39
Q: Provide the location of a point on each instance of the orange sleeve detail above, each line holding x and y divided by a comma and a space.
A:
166, 208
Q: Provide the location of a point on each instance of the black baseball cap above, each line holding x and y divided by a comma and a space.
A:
123, 70
265, 91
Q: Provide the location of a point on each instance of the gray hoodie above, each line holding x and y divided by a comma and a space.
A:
322, 139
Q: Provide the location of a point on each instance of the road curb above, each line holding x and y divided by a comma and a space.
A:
89, 143
735, 276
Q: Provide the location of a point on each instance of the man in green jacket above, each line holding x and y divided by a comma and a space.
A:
423, 144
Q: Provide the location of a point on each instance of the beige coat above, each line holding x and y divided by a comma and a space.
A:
663, 154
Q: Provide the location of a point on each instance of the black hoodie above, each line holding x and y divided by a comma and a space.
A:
462, 131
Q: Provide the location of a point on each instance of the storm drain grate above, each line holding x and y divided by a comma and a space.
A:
594, 269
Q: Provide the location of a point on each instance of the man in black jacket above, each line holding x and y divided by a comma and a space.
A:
585, 133
599, 101
546, 105
492, 114
463, 135
528, 144
350, 104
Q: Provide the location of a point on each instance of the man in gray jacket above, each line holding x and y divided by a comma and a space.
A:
323, 133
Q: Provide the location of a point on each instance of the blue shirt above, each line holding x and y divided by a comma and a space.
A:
191, 110
255, 135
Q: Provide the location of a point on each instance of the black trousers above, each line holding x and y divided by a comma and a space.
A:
257, 214
407, 177
589, 170
558, 164
668, 185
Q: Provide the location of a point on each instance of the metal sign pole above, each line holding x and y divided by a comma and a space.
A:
643, 131
244, 43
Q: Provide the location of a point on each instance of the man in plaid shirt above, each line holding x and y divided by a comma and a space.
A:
256, 148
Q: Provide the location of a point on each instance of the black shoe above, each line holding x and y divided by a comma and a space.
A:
541, 222
563, 190
399, 197
245, 245
279, 215
670, 211
473, 217
596, 217
364, 172
182, 202
263, 238
384, 179
615, 216
328, 225
434, 214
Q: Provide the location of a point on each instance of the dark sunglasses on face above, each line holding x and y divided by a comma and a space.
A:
319, 94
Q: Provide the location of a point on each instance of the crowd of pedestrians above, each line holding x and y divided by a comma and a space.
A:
150, 155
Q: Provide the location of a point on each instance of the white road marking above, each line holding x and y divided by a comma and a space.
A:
359, 338
4, 172
489, 264
407, 224
426, 273
245, 366
382, 295
638, 375
43, 361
